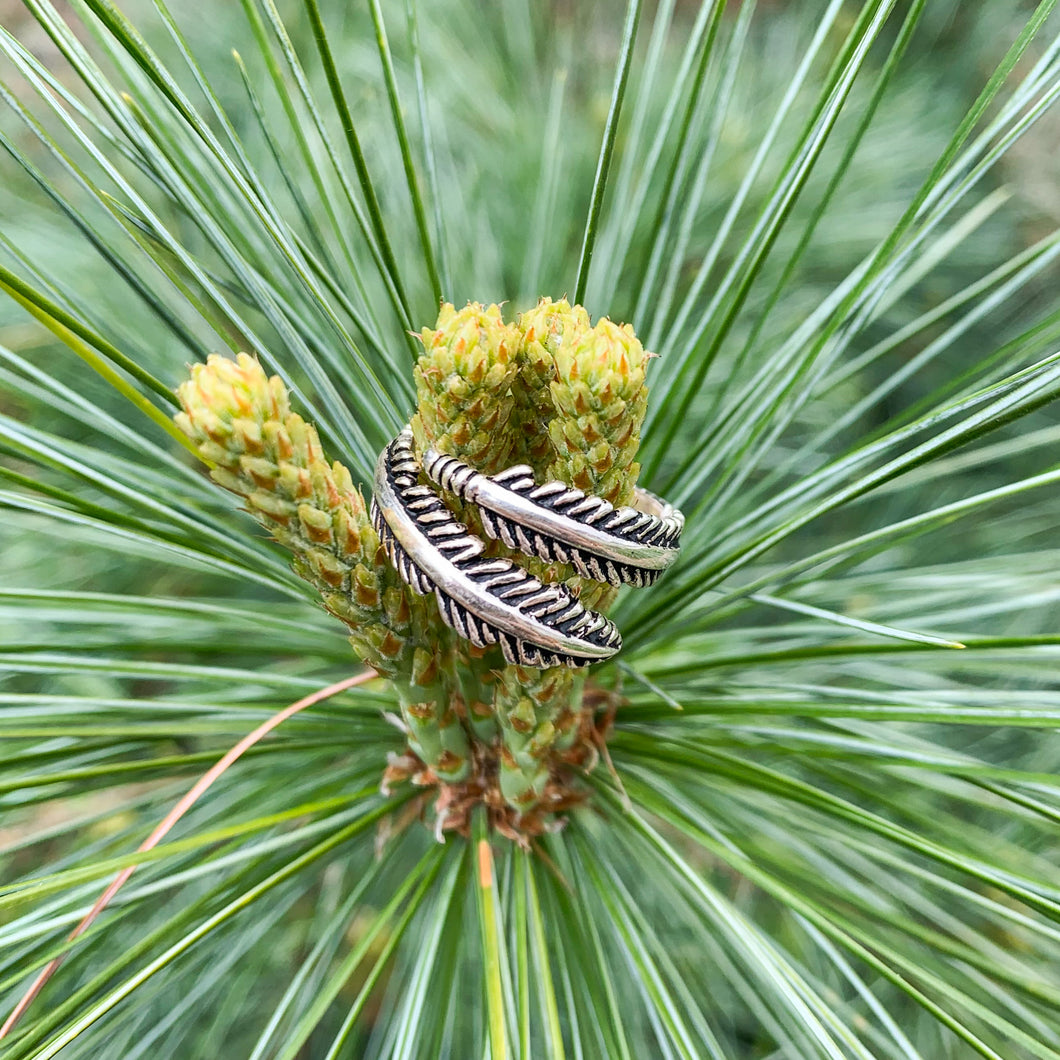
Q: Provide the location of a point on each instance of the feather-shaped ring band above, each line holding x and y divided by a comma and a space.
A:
487, 601
494, 600
621, 546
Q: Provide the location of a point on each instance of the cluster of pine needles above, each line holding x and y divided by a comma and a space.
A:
810, 811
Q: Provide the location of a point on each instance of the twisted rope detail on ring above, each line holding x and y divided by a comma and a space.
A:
622, 546
487, 601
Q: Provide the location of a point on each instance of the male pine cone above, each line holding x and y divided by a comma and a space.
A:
242, 426
552, 391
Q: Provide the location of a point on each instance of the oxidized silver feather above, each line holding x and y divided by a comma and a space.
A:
487, 601
621, 546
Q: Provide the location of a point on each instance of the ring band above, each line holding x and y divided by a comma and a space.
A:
621, 546
487, 601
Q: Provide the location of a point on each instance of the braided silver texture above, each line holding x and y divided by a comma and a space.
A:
621, 546
486, 601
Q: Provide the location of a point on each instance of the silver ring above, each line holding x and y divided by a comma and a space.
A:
621, 546
486, 601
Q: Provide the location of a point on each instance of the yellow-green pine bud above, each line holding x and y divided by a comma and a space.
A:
435, 732
241, 422
526, 702
587, 384
477, 678
463, 386
464, 382
543, 330
600, 399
